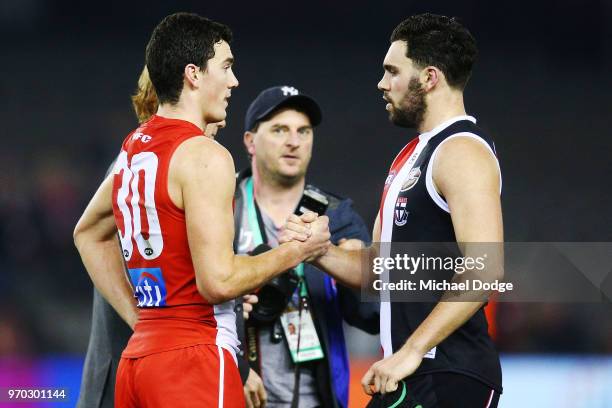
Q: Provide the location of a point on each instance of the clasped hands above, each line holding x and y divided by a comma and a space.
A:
383, 376
311, 231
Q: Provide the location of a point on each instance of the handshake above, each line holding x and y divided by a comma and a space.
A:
310, 232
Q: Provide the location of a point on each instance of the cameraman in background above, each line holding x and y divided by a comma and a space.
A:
299, 315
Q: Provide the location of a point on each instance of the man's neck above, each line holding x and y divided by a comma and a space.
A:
440, 108
183, 111
277, 200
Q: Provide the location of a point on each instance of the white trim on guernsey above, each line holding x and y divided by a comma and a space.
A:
490, 399
386, 236
431, 189
221, 375
447, 123
437, 130
387, 225
385, 328
226, 327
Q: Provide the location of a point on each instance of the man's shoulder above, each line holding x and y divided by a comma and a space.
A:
203, 152
201, 164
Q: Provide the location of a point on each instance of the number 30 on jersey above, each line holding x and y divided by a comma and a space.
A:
136, 201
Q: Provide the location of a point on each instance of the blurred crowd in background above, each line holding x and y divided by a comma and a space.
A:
68, 72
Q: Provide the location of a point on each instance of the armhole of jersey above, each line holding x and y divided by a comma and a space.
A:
175, 146
431, 189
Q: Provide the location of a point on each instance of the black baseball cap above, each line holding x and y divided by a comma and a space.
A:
277, 97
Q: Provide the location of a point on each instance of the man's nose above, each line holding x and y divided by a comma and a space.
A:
383, 84
293, 139
233, 81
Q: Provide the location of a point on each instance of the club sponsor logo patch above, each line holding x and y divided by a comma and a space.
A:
149, 287
400, 214
411, 180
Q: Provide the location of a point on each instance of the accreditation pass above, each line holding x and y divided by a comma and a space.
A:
310, 347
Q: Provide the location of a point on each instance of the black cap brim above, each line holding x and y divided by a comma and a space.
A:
303, 103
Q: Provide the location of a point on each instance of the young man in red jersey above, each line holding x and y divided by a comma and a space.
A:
170, 199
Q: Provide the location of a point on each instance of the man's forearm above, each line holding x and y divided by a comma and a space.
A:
346, 266
105, 266
447, 316
252, 272
444, 319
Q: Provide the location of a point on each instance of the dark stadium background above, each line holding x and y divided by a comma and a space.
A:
541, 87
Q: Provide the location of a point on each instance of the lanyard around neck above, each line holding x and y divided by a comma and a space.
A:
255, 221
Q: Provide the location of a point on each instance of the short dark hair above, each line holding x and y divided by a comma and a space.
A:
439, 41
181, 39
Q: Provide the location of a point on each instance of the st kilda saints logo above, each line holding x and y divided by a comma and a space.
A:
411, 180
400, 214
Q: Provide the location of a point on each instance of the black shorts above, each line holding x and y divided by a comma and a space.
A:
438, 390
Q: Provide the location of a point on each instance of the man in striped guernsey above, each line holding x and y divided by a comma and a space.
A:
444, 186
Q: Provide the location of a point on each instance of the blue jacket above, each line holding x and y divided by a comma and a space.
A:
331, 302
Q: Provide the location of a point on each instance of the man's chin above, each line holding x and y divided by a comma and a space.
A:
292, 173
290, 176
399, 120
215, 117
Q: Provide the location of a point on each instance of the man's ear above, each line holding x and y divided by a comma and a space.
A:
431, 77
193, 75
249, 142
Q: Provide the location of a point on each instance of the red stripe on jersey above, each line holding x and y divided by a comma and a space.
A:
396, 166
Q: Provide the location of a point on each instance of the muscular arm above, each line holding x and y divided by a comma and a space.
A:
95, 237
344, 265
363, 315
466, 175
204, 170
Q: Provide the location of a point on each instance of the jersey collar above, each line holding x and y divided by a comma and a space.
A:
444, 125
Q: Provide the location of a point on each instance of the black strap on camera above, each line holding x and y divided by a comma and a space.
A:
303, 304
251, 330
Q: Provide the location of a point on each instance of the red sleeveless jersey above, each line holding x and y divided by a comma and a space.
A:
153, 236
